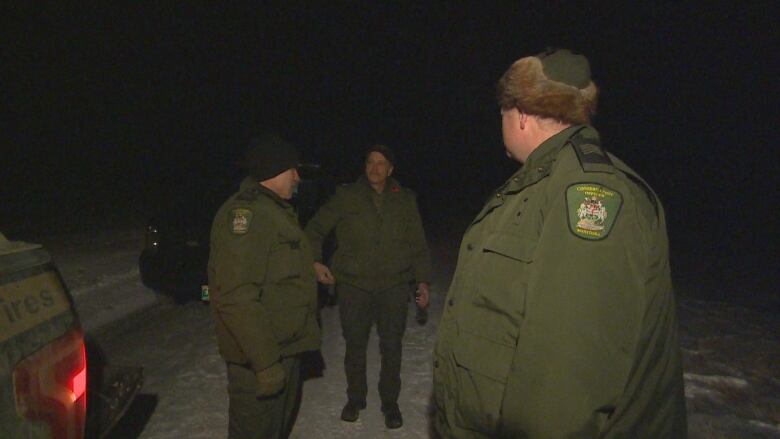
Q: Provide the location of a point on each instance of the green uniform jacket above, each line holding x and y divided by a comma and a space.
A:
560, 320
261, 280
374, 250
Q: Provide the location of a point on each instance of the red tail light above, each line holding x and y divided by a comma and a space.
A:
78, 384
51, 386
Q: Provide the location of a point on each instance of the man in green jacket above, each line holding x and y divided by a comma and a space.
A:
560, 320
381, 255
263, 293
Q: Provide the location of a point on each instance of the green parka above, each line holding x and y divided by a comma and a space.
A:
261, 280
560, 320
376, 249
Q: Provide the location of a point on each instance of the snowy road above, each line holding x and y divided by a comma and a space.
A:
185, 376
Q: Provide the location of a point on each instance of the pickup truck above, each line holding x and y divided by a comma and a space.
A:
48, 386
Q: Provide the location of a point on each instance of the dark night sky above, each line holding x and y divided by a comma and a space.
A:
105, 109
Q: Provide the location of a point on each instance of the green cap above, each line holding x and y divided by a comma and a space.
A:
564, 66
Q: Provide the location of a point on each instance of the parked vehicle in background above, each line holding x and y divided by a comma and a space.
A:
176, 249
48, 386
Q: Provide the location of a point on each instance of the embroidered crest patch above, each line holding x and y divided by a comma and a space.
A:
240, 220
592, 209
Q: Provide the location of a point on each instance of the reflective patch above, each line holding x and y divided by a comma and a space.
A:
240, 220
592, 209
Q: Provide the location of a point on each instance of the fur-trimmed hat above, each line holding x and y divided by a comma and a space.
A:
554, 84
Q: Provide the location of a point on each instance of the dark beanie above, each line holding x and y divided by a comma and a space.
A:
268, 156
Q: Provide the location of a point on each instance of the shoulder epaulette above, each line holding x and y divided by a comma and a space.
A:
249, 194
591, 155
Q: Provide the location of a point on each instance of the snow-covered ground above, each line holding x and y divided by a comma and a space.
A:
731, 353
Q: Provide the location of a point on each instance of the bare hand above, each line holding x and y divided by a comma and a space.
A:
324, 275
423, 297
270, 381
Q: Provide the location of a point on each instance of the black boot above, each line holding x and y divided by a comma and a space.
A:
351, 410
393, 417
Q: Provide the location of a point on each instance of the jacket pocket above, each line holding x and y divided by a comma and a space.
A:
347, 264
502, 278
284, 261
289, 316
520, 248
482, 367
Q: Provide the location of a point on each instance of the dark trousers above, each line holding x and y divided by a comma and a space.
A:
261, 418
359, 310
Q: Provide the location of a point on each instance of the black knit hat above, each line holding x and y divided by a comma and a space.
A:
268, 156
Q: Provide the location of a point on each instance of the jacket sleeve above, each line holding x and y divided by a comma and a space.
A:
237, 303
323, 222
584, 311
421, 255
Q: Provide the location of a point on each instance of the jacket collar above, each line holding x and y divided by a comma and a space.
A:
546, 152
540, 162
250, 183
391, 186
537, 166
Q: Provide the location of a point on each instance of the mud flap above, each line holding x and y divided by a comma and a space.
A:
109, 395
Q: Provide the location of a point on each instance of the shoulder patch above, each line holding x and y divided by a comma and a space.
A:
240, 219
592, 209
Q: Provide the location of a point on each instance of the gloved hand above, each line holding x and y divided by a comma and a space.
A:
270, 380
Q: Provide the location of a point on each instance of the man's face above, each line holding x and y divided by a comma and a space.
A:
284, 184
377, 168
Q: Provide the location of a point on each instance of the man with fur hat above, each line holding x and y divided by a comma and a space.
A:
381, 255
263, 292
560, 320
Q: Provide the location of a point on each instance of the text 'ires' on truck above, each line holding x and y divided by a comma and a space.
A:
48, 386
